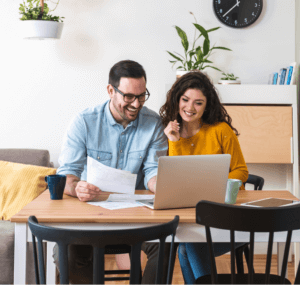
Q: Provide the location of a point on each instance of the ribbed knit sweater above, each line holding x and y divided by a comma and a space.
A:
214, 139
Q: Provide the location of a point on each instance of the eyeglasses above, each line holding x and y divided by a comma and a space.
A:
130, 98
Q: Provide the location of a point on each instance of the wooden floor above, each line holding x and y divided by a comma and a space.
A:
223, 266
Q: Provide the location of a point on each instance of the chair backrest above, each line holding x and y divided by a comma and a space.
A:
248, 219
99, 239
256, 180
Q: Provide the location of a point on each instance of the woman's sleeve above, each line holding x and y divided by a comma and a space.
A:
174, 148
231, 145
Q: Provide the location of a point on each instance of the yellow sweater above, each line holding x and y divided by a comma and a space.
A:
214, 139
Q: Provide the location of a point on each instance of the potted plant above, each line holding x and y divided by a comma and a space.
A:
37, 22
195, 55
229, 78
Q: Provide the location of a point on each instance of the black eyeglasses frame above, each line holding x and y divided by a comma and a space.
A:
147, 95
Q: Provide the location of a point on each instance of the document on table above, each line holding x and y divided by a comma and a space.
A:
122, 201
109, 179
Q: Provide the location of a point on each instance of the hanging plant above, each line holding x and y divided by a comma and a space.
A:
38, 22
38, 10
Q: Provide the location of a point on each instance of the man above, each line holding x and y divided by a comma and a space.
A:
120, 133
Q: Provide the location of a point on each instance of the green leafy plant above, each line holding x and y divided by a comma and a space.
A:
197, 56
229, 76
31, 10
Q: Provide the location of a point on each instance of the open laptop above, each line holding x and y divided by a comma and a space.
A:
182, 181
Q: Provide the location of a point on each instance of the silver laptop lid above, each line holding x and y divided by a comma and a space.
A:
182, 181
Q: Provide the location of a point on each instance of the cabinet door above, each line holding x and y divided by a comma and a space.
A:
265, 132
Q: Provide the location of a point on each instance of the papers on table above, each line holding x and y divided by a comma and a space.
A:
109, 179
129, 198
122, 201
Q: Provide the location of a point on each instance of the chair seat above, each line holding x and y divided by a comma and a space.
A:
241, 279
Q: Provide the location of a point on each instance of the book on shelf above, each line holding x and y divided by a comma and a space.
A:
271, 78
293, 74
275, 78
287, 75
281, 76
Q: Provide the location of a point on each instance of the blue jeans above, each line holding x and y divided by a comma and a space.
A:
194, 258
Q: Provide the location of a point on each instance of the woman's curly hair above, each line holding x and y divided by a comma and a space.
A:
214, 110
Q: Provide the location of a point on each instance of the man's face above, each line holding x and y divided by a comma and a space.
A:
122, 111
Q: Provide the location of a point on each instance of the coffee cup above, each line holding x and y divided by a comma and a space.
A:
56, 185
233, 186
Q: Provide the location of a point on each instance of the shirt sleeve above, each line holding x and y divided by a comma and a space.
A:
230, 145
158, 147
175, 148
73, 155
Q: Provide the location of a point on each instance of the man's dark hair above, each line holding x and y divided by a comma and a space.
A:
125, 68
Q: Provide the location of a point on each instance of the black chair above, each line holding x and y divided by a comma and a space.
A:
258, 183
99, 239
247, 219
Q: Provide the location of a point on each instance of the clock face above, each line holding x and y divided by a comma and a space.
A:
237, 13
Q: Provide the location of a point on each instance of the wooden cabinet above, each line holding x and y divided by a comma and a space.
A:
265, 132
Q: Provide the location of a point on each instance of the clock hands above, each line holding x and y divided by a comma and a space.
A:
237, 4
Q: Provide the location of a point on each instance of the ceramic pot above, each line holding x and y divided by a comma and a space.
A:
40, 29
229, 82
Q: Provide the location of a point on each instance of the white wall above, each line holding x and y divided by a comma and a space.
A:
45, 83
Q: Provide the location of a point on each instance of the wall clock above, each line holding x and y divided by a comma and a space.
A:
237, 13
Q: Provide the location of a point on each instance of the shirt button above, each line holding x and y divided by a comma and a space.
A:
192, 144
120, 168
121, 150
140, 157
122, 134
98, 157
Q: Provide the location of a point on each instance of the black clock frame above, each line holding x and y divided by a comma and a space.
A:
244, 25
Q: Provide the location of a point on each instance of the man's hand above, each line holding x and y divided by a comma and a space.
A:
152, 184
86, 191
81, 189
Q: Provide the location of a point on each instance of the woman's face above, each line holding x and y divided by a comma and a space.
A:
192, 105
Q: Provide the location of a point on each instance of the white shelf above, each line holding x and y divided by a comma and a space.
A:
255, 94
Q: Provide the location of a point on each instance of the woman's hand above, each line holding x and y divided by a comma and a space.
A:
172, 131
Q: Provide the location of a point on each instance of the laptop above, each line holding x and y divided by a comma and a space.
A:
182, 181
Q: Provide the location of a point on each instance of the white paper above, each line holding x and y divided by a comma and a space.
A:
116, 205
109, 179
128, 197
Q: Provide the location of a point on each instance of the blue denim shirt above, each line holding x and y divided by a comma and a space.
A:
95, 133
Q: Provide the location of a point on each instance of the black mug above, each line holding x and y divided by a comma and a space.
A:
56, 185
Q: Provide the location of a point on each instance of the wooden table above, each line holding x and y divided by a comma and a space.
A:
71, 213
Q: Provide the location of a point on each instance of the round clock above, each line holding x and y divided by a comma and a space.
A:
237, 13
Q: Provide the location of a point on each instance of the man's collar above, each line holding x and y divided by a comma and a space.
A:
112, 121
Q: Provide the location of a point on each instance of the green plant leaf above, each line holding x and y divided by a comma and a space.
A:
207, 61
179, 54
206, 46
212, 67
224, 48
213, 29
183, 37
176, 57
202, 31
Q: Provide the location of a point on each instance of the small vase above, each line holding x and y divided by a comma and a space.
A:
229, 82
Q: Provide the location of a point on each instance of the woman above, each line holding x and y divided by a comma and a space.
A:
196, 123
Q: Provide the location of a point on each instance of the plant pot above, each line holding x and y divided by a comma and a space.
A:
229, 82
180, 73
40, 29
